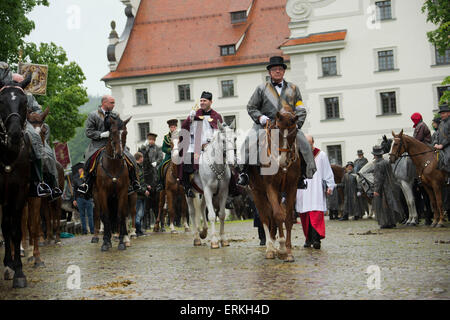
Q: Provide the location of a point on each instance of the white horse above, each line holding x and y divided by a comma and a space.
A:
213, 178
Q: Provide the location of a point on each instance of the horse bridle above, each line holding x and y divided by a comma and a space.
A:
4, 133
398, 155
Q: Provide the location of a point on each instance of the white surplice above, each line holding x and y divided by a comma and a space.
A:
313, 198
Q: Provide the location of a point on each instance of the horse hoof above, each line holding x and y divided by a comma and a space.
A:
20, 282
9, 274
187, 230
214, 245
58, 242
95, 240
128, 244
270, 255
122, 246
39, 264
440, 225
174, 232
133, 236
163, 230
204, 234
105, 247
224, 243
282, 255
197, 242
290, 258
434, 224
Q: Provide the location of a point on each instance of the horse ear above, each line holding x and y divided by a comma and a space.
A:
393, 133
25, 82
44, 114
126, 121
401, 133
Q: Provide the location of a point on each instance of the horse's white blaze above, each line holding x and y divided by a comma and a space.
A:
13, 96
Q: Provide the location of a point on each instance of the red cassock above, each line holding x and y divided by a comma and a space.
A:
317, 221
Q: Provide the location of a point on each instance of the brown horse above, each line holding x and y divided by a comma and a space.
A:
425, 160
111, 185
267, 190
174, 193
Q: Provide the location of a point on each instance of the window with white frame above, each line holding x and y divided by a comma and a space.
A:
384, 10
329, 66
144, 129
184, 92
334, 153
388, 102
227, 87
386, 60
331, 108
443, 59
141, 96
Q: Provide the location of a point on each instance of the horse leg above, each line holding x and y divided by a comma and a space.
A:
57, 220
192, 214
290, 202
432, 197
409, 196
19, 280
122, 218
279, 215
7, 260
24, 230
171, 203
183, 214
162, 196
264, 215
437, 190
35, 214
204, 232
95, 238
212, 216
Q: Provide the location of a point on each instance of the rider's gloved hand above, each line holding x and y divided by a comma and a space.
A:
104, 134
263, 119
154, 164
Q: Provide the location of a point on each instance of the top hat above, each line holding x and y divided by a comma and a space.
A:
377, 151
360, 152
444, 108
276, 61
150, 134
350, 163
172, 122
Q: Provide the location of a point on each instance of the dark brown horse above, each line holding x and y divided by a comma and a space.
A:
425, 160
111, 185
15, 151
267, 189
174, 194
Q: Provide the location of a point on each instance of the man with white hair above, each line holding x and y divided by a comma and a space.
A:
311, 202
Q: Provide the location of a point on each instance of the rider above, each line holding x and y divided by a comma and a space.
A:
421, 131
43, 155
95, 130
266, 101
200, 132
167, 149
152, 158
441, 140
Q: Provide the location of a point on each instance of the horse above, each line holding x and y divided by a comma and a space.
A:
173, 193
425, 160
111, 185
15, 151
274, 195
212, 179
405, 172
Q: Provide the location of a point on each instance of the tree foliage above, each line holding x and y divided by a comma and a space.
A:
65, 92
438, 12
14, 26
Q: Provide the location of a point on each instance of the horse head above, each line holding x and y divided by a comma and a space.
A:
124, 133
114, 125
398, 148
13, 112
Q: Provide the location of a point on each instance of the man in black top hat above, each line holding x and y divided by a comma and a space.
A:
268, 99
441, 140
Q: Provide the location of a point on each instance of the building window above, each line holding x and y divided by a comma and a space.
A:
445, 59
384, 10
227, 50
332, 108
184, 92
141, 97
238, 16
441, 91
329, 66
227, 88
388, 102
386, 60
335, 154
144, 129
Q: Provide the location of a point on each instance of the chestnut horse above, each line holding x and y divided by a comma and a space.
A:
111, 185
174, 194
424, 158
267, 190
15, 152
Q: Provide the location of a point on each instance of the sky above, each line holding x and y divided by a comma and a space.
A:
82, 28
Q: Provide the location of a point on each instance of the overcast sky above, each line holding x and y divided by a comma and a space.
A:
82, 28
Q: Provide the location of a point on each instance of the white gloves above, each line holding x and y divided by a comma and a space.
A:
104, 134
358, 194
263, 119
154, 164
192, 113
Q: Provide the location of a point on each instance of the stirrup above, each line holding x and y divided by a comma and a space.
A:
243, 180
56, 193
43, 190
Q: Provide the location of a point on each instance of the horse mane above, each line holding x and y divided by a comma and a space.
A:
414, 140
108, 123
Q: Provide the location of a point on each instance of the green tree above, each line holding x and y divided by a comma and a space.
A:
14, 26
438, 12
65, 92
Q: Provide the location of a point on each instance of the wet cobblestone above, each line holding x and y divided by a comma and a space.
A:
413, 262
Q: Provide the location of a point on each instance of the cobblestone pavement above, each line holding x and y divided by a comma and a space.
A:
413, 262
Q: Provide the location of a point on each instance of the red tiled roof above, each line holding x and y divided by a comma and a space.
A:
175, 36
316, 38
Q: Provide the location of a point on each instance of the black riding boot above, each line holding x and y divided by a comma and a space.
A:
43, 190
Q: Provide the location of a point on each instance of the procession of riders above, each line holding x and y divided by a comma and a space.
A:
269, 101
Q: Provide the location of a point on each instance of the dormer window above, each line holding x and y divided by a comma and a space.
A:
238, 16
227, 50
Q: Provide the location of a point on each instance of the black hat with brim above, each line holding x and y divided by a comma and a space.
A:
360, 152
377, 151
150, 134
444, 108
350, 163
172, 122
276, 61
